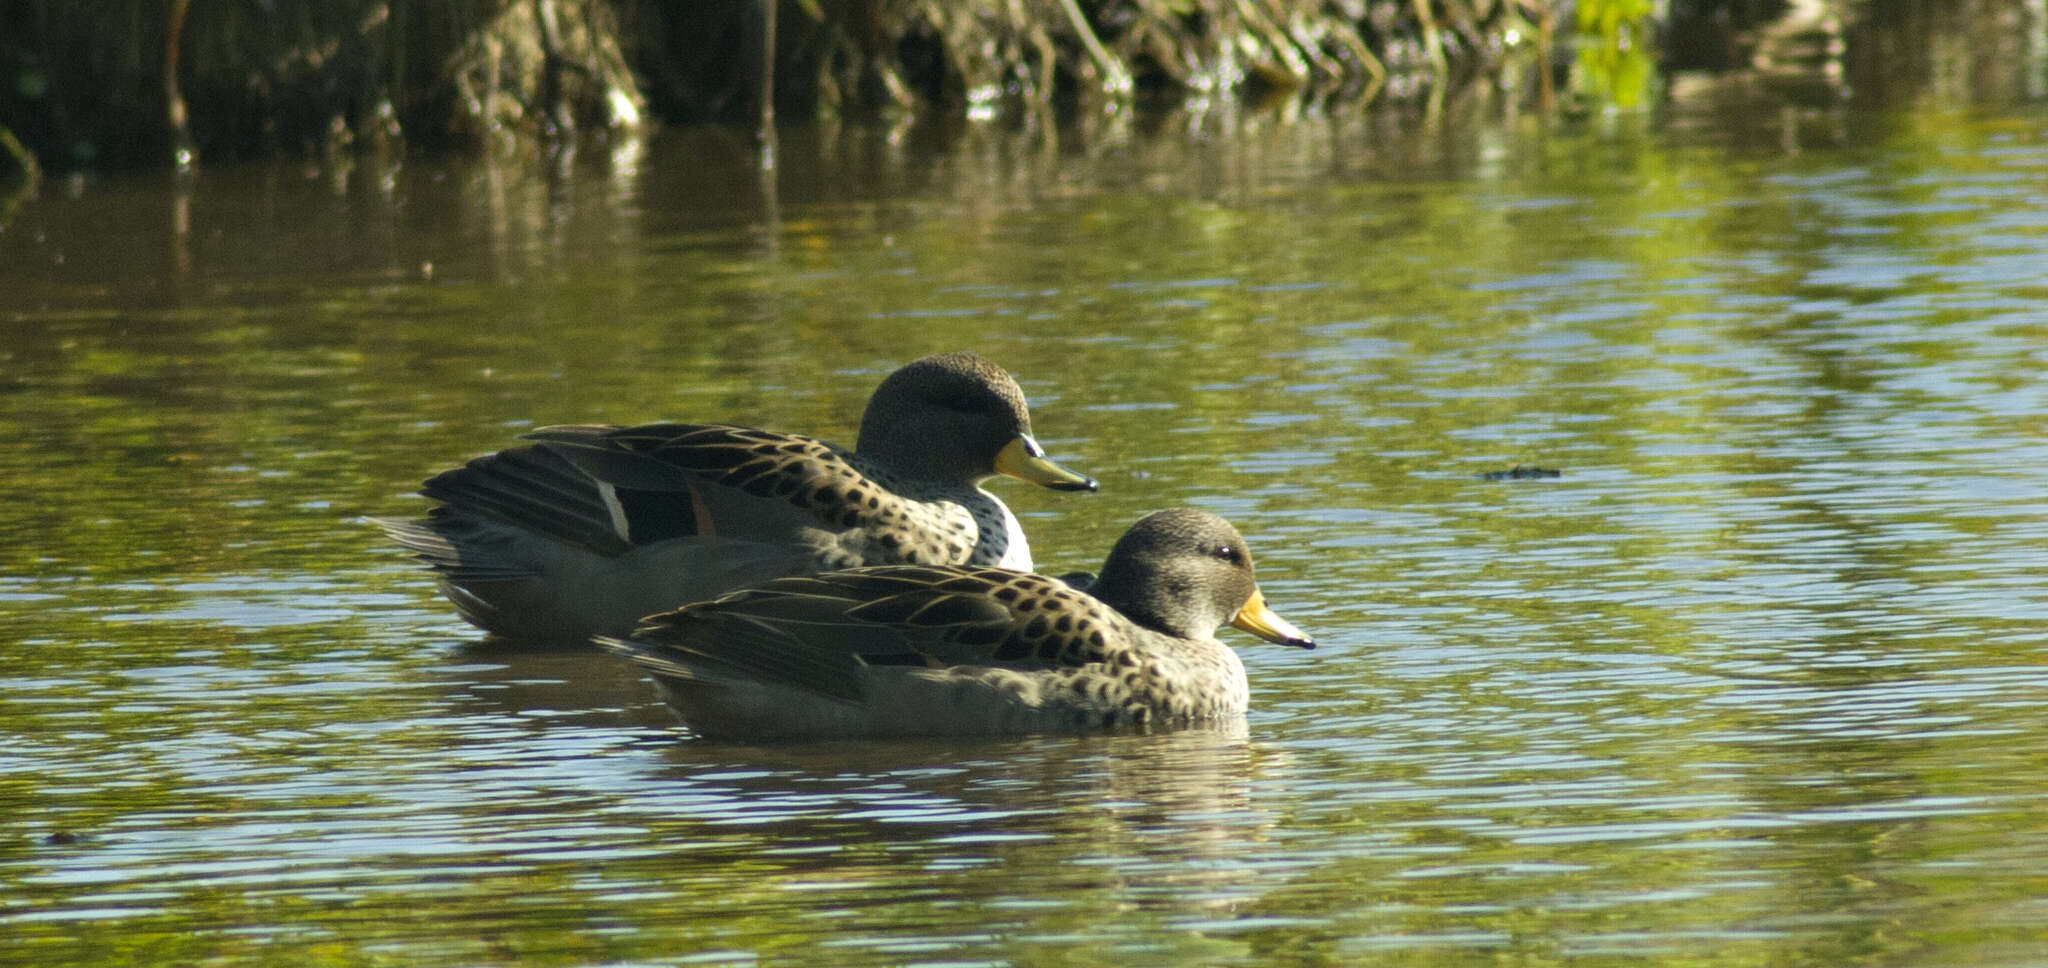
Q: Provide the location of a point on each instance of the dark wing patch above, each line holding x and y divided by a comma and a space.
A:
660, 515
708, 638
545, 489
534, 489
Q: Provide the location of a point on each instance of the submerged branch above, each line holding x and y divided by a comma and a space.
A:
1116, 80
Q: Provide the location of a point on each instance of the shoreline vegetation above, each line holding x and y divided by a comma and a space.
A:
101, 83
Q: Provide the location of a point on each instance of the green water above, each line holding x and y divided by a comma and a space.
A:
1758, 680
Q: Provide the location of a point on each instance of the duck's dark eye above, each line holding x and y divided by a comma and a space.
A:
1227, 553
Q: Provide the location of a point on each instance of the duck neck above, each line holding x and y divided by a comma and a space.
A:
1142, 597
920, 456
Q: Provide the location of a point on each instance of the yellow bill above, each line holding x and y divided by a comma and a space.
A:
1261, 621
1024, 460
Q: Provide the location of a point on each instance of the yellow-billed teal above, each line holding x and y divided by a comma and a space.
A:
591, 528
956, 650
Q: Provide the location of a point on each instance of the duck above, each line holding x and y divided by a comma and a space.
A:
590, 528
966, 650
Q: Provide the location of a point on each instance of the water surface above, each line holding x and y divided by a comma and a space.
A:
1757, 679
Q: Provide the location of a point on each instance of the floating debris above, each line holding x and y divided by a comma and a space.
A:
1520, 472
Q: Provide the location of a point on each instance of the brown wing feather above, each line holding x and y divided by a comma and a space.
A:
820, 633
803, 471
974, 616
